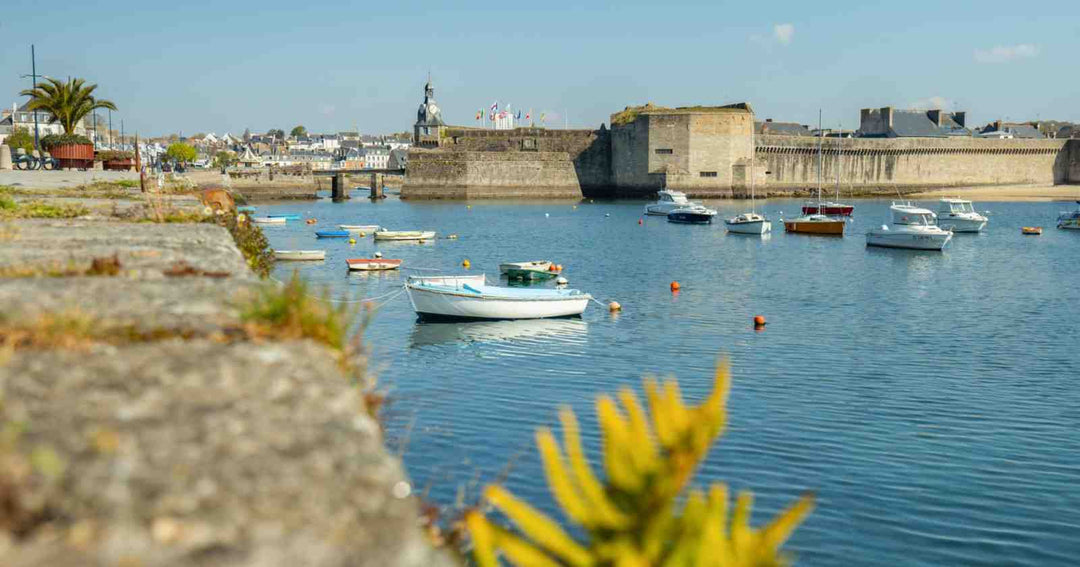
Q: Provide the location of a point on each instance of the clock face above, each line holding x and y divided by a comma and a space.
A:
433, 109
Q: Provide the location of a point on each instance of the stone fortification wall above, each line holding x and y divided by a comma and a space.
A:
869, 166
523, 162
1072, 161
443, 174
700, 151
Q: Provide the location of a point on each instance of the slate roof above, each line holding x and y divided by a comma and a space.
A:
915, 124
1023, 130
782, 129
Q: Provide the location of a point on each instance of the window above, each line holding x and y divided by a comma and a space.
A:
708, 174
664, 151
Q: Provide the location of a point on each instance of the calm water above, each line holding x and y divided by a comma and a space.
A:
930, 399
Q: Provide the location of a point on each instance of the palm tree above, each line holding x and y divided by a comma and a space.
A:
68, 102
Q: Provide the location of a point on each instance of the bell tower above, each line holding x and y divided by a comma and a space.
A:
427, 132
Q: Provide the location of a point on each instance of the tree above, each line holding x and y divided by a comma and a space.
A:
181, 152
20, 139
224, 159
68, 102
298, 132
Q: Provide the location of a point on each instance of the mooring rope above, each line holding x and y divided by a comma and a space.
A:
394, 293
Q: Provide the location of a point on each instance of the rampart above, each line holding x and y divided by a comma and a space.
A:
873, 166
518, 163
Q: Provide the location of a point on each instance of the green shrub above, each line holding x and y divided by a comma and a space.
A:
20, 139
52, 140
635, 518
114, 155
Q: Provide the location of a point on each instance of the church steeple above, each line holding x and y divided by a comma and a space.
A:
428, 118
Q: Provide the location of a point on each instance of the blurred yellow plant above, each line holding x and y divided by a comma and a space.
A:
633, 520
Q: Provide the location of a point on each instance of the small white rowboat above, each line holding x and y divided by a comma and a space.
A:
466, 301
405, 235
300, 254
359, 227
473, 280
268, 220
372, 264
541, 265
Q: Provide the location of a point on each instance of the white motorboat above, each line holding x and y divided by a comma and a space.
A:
505, 267
911, 227
359, 227
300, 255
471, 279
667, 201
749, 223
1070, 220
268, 220
693, 214
377, 264
467, 301
959, 215
383, 234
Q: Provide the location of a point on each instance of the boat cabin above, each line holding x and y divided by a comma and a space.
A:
908, 214
673, 197
955, 206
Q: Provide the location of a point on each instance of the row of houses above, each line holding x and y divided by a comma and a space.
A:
889, 122
344, 158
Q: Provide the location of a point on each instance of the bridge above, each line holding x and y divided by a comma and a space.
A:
337, 182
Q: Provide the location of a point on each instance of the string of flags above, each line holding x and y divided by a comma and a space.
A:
493, 113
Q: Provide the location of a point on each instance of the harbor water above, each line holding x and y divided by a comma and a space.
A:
929, 399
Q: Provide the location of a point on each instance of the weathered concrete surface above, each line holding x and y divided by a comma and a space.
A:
62, 178
145, 250
198, 453
180, 306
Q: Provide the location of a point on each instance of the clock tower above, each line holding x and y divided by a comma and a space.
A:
427, 132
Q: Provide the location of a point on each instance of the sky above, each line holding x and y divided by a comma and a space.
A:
223, 66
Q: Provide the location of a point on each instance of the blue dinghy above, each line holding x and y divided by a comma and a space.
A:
286, 217
331, 233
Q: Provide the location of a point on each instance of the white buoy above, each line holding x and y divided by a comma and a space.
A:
546, 215
378, 254
561, 281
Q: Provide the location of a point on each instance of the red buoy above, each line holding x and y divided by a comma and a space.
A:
674, 286
759, 321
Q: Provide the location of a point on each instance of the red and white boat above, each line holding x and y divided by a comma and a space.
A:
372, 264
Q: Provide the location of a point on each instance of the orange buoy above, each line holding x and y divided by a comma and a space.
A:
558, 267
674, 286
311, 221
614, 306
640, 221
759, 321
553, 268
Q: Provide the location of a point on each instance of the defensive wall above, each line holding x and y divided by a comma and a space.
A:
885, 166
708, 151
523, 162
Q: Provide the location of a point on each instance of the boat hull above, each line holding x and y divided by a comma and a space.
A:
473, 280
536, 265
372, 264
832, 210
530, 275
689, 218
411, 235
882, 239
286, 217
332, 234
1071, 224
359, 227
749, 227
441, 305
829, 228
661, 210
267, 220
300, 255
961, 225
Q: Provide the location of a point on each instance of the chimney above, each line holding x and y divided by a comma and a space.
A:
934, 116
959, 118
887, 116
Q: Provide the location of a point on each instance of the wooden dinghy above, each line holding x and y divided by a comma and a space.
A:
372, 264
300, 255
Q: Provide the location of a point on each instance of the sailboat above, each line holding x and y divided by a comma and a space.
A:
816, 223
750, 223
833, 208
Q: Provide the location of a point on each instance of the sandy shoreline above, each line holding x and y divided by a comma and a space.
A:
1005, 193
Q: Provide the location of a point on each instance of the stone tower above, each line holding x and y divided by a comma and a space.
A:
427, 132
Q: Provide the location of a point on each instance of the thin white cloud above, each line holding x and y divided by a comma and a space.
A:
1006, 53
933, 103
784, 33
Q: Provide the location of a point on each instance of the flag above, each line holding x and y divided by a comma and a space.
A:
528, 114
491, 116
479, 114
519, 114
542, 116
494, 106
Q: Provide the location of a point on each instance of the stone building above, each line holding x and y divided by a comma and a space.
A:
427, 132
701, 149
888, 122
770, 128
1024, 130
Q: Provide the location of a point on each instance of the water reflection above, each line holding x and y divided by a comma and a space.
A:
426, 334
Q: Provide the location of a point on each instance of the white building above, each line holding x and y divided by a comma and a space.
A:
504, 120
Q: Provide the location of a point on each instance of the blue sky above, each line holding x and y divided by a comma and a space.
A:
228, 65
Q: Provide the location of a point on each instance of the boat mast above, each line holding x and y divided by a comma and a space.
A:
819, 132
839, 140
753, 149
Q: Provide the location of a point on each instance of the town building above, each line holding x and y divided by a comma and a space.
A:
770, 128
999, 129
888, 122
